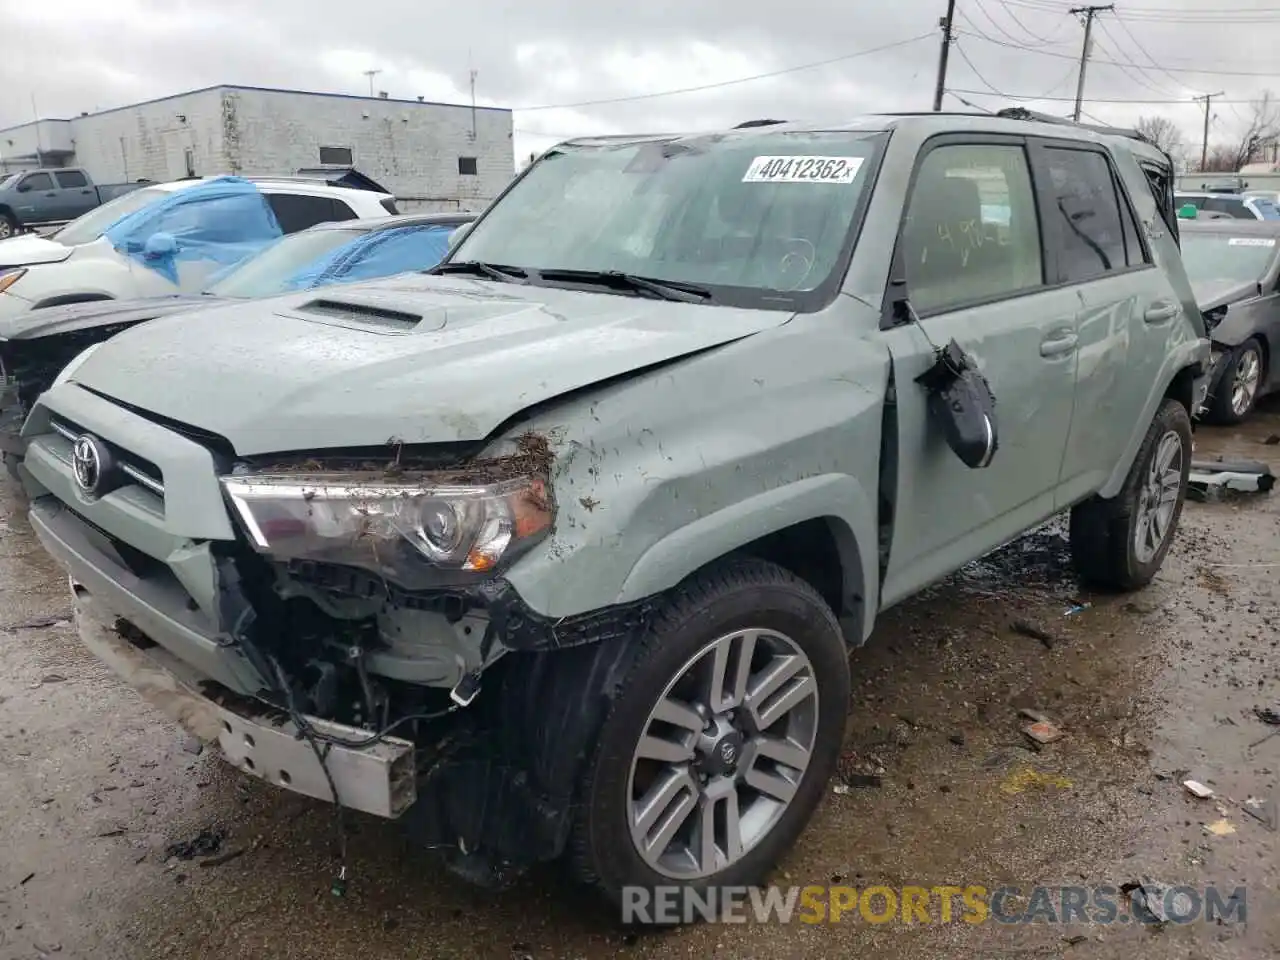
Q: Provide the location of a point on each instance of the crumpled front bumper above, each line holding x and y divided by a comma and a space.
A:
379, 779
12, 415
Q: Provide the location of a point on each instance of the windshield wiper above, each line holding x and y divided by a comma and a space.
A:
676, 290
490, 271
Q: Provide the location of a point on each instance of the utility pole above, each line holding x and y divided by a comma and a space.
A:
1089, 13
1204, 144
371, 74
945, 24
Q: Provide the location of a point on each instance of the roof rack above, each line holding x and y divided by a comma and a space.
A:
1022, 113
348, 177
757, 123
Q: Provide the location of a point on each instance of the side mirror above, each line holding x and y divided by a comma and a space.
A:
24, 187
455, 238
159, 246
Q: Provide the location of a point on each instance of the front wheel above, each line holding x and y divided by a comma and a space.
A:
721, 739
8, 226
1121, 543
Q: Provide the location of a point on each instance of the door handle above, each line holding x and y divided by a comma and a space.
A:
50, 194
1161, 311
1058, 345
86, 192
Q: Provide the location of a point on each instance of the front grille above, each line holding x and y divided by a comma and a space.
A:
140, 471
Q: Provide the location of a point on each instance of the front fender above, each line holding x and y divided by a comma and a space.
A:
1190, 354
839, 498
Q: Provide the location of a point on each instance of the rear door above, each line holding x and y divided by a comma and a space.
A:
970, 258
1128, 307
77, 196
298, 211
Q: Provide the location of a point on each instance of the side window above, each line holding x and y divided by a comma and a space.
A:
1161, 191
341, 211
38, 181
296, 211
71, 179
971, 231
1084, 214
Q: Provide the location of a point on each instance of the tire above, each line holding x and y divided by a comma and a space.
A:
1104, 533
1239, 384
711, 608
8, 226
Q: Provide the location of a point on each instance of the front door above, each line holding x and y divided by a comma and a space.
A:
970, 255
78, 197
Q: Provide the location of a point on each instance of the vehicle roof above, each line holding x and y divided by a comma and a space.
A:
401, 220
277, 184
929, 124
1210, 193
1264, 228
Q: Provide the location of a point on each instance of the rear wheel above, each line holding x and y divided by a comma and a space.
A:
722, 738
8, 226
1121, 543
1239, 384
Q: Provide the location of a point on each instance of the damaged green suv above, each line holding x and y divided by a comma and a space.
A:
559, 549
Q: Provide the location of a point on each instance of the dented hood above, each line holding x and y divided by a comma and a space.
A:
422, 360
1211, 294
50, 321
28, 250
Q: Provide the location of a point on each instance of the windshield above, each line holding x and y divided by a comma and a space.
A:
271, 271
1221, 257
757, 219
95, 223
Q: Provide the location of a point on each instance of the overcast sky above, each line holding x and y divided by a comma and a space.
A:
79, 55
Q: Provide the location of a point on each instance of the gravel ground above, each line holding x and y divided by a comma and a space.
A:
1148, 689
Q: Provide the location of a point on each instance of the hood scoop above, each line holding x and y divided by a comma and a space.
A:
361, 316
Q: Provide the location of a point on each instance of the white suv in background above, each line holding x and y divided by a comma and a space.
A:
78, 263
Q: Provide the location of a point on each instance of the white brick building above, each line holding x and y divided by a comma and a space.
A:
432, 156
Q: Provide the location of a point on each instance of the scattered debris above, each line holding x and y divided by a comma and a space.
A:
46, 950
1078, 608
53, 678
1210, 479
1272, 440
1043, 731
204, 844
1220, 828
27, 879
589, 503
1072, 941
1264, 811
36, 624
1195, 788
1027, 779
223, 858
957, 739
1147, 900
853, 780
1028, 629
193, 746
1268, 715
118, 832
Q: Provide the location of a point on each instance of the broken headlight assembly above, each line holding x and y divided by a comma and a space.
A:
417, 535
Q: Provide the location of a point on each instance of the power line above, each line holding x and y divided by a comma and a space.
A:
1138, 78
1145, 52
729, 83
1176, 15
1119, 100
985, 82
1066, 56
1009, 10
1142, 75
995, 23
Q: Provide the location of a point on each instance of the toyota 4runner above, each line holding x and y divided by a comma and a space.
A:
561, 549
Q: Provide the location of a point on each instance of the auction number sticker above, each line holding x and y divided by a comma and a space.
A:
1251, 242
802, 170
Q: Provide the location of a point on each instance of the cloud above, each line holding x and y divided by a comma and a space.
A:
565, 56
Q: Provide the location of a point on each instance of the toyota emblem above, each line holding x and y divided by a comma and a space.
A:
87, 462
728, 752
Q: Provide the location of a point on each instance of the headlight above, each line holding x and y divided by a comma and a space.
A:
461, 532
9, 277
66, 372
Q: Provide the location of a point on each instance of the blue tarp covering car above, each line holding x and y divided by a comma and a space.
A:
222, 221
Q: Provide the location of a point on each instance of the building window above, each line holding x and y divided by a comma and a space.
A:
467, 166
190, 156
336, 156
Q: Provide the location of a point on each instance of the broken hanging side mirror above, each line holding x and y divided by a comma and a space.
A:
960, 402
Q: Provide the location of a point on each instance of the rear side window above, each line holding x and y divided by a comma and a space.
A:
70, 179
296, 211
340, 211
971, 232
1086, 215
1161, 183
389, 205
